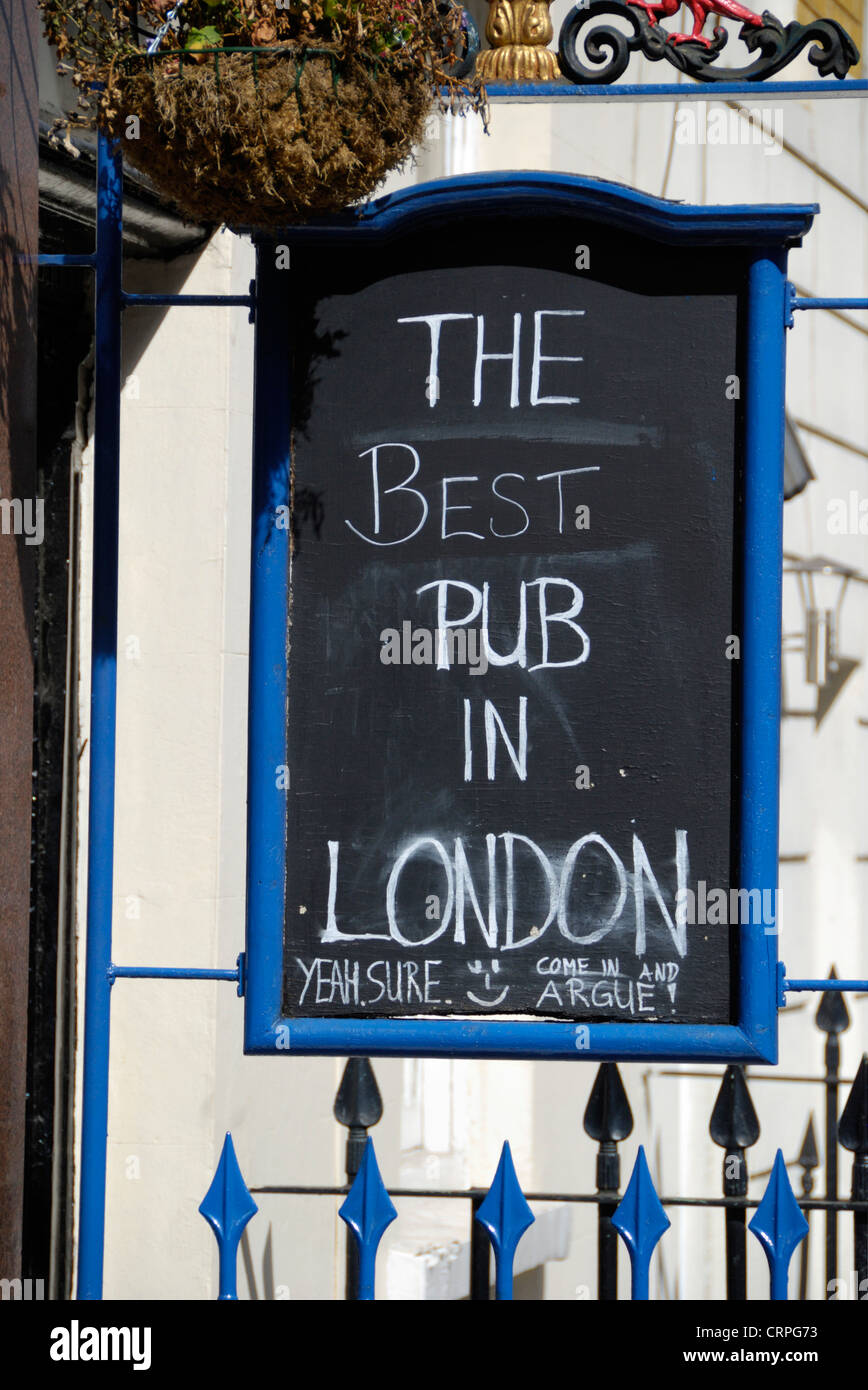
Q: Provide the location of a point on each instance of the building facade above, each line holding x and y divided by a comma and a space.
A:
179, 1079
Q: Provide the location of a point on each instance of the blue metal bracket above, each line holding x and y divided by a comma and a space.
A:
193, 301
170, 972
795, 301
130, 300
830, 303
817, 986
101, 973
68, 262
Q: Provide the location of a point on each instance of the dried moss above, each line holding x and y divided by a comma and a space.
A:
303, 134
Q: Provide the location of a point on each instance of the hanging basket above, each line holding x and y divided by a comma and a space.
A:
268, 137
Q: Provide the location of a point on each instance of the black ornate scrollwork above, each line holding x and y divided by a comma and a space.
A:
606, 50
597, 43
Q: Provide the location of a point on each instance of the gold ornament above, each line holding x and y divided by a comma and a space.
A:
518, 31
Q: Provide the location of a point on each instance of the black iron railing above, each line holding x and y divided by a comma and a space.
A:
608, 1120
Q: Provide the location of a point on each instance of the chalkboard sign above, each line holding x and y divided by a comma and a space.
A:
516, 462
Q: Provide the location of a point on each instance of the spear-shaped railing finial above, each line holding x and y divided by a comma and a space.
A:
779, 1226
832, 1019
506, 1216
853, 1133
367, 1210
640, 1221
608, 1119
734, 1127
227, 1207
808, 1160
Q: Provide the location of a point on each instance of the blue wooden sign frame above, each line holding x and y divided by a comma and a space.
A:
766, 232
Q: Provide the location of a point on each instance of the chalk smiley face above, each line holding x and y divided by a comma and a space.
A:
476, 968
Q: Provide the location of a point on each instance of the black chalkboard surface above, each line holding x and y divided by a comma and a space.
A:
511, 712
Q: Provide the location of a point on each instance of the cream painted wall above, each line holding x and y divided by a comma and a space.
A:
179, 1079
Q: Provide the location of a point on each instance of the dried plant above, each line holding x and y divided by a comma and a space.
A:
98, 42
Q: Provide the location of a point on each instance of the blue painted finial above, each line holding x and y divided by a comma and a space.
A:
506, 1216
368, 1210
640, 1222
779, 1226
227, 1207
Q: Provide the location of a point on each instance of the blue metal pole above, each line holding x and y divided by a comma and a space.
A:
367, 1271
103, 699
269, 599
761, 628
503, 1281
